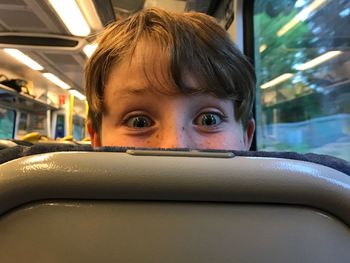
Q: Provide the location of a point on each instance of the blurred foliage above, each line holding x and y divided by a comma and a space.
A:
305, 41
309, 112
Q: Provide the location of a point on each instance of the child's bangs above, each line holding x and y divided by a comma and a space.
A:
168, 69
211, 74
154, 60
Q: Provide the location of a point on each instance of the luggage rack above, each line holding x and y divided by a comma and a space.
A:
21, 101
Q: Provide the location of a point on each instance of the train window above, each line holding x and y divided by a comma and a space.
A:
302, 59
60, 126
78, 127
31, 122
7, 123
23, 125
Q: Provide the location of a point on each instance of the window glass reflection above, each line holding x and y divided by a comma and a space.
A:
7, 123
302, 58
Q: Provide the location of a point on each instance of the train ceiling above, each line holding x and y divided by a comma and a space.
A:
34, 28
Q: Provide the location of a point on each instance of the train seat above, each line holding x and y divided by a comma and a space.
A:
6, 144
78, 204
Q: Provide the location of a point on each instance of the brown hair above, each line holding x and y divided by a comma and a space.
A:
192, 42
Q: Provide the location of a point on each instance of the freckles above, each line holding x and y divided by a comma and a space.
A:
206, 144
183, 128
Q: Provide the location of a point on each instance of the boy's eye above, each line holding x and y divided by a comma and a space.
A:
208, 119
139, 122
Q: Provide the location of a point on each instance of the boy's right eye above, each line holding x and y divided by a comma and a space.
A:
139, 122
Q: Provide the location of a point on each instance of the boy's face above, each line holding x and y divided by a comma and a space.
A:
138, 116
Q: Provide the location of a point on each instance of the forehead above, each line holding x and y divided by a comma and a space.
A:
149, 65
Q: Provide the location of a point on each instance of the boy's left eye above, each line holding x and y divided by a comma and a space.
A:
139, 122
208, 119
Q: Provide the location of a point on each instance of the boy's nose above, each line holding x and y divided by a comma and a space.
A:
177, 137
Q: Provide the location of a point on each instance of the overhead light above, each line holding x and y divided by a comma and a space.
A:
71, 16
90, 49
345, 12
77, 94
300, 3
88, 8
23, 58
301, 16
316, 61
56, 80
277, 80
262, 48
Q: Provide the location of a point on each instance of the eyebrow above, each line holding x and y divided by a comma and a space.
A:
131, 90
126, 91
136, 90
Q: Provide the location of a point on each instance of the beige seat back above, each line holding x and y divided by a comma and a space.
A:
120, 207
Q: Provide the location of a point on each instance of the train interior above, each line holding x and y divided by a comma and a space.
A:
48, 102
62, 200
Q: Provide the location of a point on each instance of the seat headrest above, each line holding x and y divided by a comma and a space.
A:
21, 151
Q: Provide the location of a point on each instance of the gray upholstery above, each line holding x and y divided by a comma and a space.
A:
117, 207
